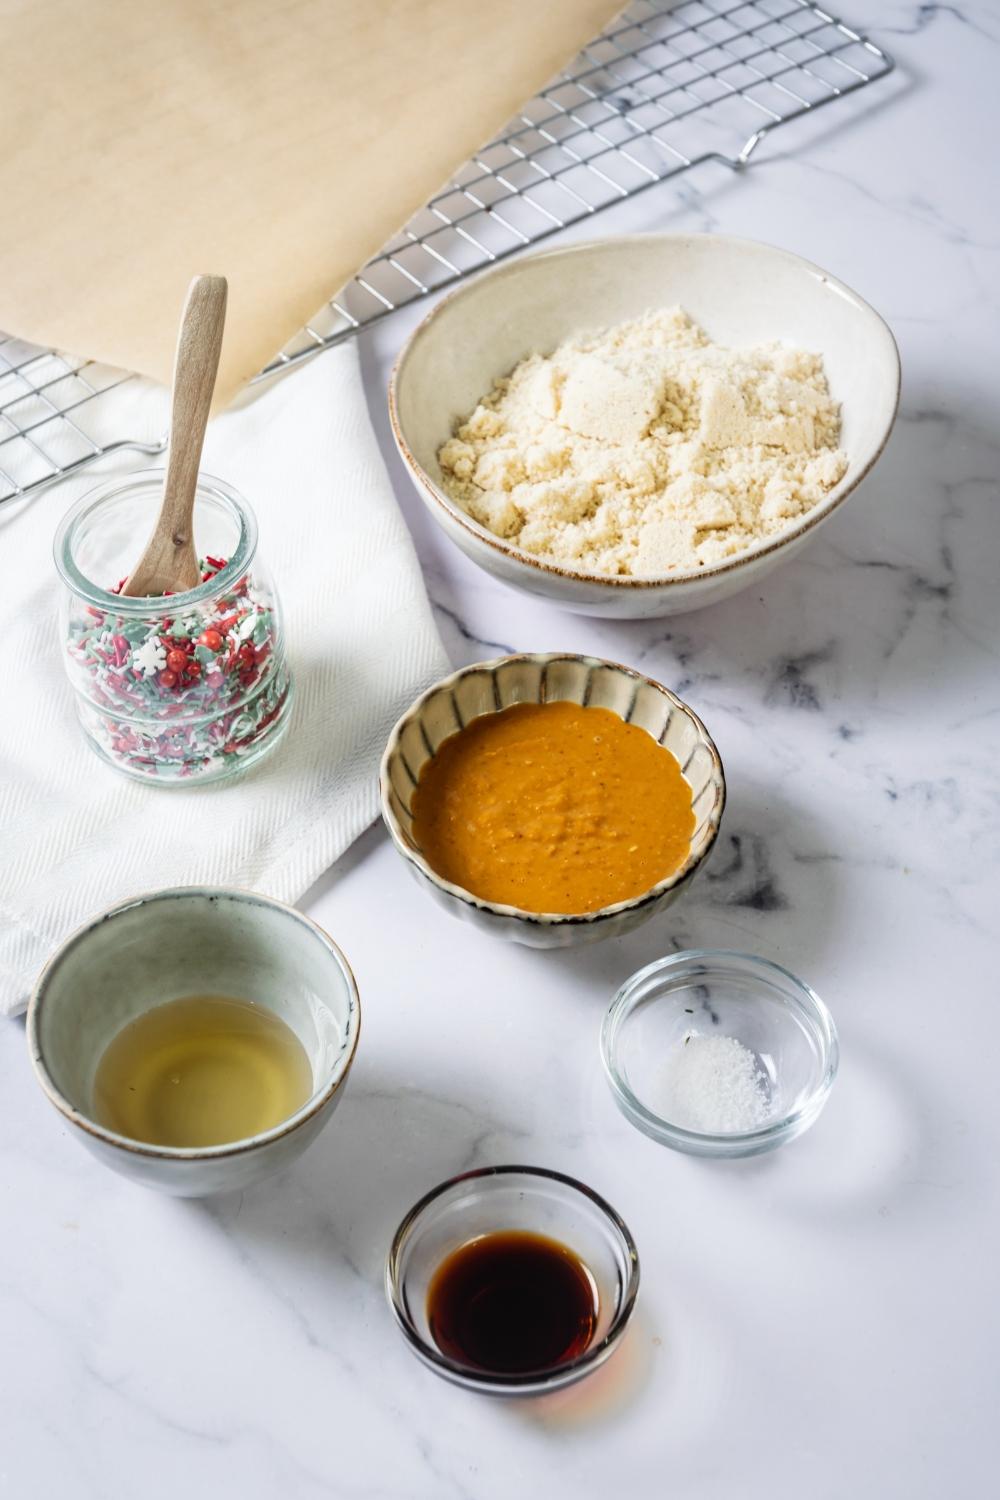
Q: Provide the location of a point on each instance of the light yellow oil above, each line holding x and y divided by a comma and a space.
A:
201, 1071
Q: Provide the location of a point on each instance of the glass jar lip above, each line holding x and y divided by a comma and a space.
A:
85, 588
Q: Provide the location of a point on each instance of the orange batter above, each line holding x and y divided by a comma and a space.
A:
553, 808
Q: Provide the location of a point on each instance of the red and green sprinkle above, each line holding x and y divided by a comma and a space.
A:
183, 696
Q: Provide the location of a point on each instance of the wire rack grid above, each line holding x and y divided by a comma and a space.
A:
666, 87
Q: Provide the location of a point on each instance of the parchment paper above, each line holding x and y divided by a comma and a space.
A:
277, 142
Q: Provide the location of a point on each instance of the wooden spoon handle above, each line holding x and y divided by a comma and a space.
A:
169, 561
199, 344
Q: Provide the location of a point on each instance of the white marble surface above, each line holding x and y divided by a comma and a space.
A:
823, 1321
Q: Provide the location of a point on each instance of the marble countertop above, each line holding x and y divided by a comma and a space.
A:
820, 1321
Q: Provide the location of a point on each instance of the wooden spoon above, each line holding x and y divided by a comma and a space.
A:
169, 565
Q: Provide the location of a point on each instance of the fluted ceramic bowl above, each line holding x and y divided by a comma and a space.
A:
740, 292
488, 688
194, 940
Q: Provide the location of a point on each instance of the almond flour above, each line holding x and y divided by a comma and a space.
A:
646, 449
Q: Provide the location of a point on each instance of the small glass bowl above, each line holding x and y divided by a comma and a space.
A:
713, 992
495, 1199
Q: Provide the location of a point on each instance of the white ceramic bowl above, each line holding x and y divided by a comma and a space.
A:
739, 291
195, 940
490, 686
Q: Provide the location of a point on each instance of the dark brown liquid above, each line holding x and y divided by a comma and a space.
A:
512, 1303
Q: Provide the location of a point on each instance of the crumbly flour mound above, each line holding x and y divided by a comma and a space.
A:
646, 449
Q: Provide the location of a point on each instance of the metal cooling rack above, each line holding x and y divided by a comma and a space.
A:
668, 86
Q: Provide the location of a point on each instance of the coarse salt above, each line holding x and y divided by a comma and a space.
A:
714, 1084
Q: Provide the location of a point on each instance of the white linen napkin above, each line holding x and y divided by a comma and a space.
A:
76, 835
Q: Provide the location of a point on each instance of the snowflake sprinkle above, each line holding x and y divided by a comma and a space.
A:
150, 657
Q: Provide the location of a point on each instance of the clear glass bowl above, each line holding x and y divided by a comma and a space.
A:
782, 1022
183, 688
492, 1200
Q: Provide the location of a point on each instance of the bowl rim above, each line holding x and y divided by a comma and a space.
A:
662, 1130
550, 919
316, 1102
551, 1375
825, 508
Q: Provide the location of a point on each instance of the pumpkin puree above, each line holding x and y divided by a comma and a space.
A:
551, 807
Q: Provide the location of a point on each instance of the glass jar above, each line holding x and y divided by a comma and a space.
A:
179, 688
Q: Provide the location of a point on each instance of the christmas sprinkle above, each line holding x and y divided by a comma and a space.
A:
180, 697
